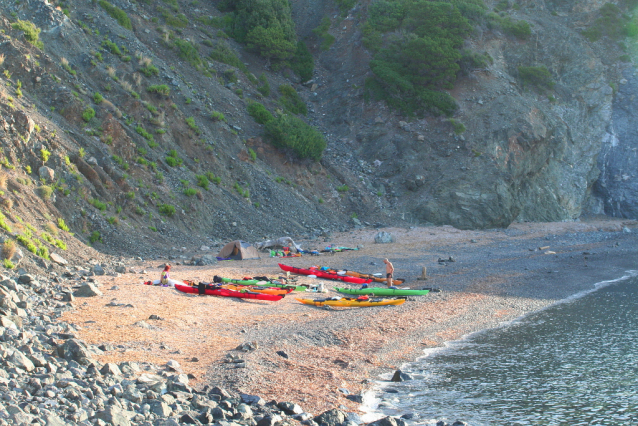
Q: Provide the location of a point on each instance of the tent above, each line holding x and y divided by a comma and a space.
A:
238, 250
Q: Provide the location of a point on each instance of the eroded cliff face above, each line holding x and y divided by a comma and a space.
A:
526, 155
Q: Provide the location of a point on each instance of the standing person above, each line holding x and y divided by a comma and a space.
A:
389, 271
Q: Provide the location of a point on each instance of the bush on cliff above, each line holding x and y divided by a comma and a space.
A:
416, 45
290, 132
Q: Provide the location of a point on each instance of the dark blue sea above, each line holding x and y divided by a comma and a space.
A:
573, 363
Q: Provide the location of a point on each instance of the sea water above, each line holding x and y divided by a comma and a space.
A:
574, 363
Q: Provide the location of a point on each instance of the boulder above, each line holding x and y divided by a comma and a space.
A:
87, 290
113, 415
332, 417
58, 259
111, 369
47, 173
384, 238
75, 350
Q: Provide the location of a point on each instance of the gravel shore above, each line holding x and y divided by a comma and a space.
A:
326, 358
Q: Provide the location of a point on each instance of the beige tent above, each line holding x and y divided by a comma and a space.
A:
238, 250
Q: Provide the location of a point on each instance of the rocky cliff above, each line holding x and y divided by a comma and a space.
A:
139, 137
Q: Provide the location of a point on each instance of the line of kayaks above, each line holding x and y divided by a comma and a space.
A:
263, 288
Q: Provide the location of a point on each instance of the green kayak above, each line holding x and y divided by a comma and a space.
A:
383, 291
261, 283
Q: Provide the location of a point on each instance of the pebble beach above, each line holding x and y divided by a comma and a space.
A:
314, 358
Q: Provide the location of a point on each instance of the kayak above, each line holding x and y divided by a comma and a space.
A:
364, 276
323, 274
351, 302
383, 291
213, 290
260, 283
263, 290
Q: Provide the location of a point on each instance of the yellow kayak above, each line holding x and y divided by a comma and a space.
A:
351, 302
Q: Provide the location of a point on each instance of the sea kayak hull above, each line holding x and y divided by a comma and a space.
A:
322, 274
351, 302
382, 291
223, 292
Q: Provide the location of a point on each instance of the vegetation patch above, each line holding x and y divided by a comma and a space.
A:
116, 13
31, 32
166, 209
291, 100
416, 47
290, 132
538, 77
265, 26
259, 112
161, 89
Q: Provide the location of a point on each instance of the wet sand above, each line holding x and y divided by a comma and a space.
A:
314, 356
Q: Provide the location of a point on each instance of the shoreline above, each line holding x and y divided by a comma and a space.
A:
370, 405
498, 275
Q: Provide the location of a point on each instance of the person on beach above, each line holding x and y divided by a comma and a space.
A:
165, 275
389, 271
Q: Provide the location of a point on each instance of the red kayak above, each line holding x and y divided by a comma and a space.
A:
322, 274
214, 290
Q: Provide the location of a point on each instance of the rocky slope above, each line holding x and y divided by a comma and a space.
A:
129, 178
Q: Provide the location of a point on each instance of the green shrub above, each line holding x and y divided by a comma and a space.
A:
146, 135
8, 264
188, 52
321, 31
111, 47
266, 26
416, 52
302, 63
611, 23
26, 242
253, 154
60, 244
31, 32
113, 220
116, 13
218, 116
538, 77
264, 87
259, 112
45, 191
161, 89
457, 126
290, 132
95, 237
189, 192
44, 154
88, 114
215, 179
191, 123
202, 181
149, 70
166, 209
98, 98
343, 188
63, 226
291, 100
98, 204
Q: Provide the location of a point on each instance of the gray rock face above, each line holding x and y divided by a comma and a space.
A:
617, 187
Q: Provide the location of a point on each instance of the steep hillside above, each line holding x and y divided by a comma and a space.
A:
130, 120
